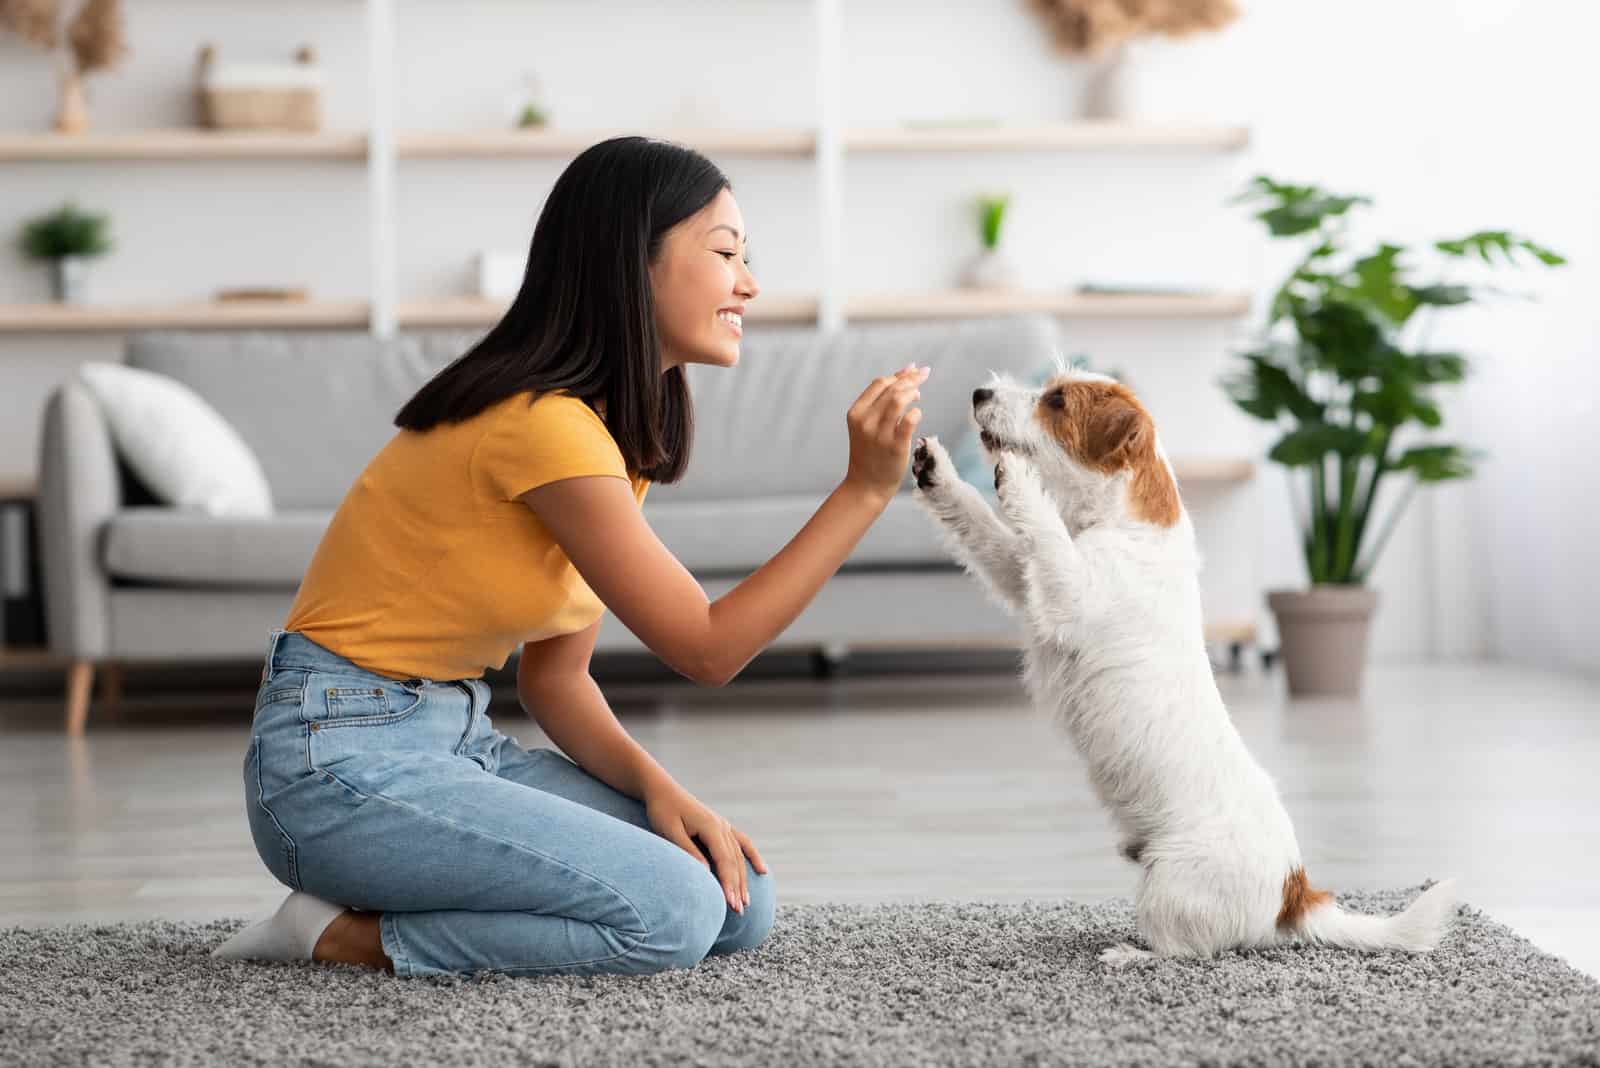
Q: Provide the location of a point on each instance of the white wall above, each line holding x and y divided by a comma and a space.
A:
1454, 116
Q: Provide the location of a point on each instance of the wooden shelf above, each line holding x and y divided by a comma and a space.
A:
197, 143
964, 303
1046, 137
183, 144
477, 311
91, 318
560, 143
1235, 470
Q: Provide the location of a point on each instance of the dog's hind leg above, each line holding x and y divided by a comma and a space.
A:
978, 539
1123, 954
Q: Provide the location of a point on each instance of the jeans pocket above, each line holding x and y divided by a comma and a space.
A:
333, 700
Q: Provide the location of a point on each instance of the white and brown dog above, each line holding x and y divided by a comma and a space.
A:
1093, 550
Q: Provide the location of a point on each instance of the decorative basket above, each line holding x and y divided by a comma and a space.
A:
241, 96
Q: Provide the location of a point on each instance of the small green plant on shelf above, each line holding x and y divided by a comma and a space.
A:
66, 232
1333, 372
990, 268
66, 239
991, 214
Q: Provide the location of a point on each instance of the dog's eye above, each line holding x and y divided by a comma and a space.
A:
1058, 399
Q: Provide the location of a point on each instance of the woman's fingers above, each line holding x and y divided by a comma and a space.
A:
893, 406
878, 386
729, 867
751, 852
678, 835
744, 871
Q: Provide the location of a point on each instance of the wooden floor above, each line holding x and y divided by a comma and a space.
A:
889, 787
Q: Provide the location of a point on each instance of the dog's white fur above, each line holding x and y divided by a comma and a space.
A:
1115, 651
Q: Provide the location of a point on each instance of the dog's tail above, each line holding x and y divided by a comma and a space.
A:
1311, 916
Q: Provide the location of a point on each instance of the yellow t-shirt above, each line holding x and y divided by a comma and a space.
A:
431, 568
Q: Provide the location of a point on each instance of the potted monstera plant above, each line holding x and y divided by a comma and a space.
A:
1342, 370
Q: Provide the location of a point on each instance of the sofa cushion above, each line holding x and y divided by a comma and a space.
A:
171, 546
174, 546
314, 406
177, 443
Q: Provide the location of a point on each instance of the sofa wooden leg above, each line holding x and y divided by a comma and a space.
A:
80, 685
111, 687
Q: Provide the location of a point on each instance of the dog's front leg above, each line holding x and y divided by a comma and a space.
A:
1054, 573
976, 537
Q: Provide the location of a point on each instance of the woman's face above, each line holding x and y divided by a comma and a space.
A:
701, 282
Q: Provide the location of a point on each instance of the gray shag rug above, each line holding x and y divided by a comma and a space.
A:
926, 984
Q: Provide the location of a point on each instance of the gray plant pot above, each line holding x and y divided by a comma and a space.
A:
1323, 632
69, 279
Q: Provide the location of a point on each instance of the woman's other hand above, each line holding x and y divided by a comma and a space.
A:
880, 431
679, 817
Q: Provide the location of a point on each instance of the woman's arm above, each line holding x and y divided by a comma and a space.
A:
598, 524
556, 689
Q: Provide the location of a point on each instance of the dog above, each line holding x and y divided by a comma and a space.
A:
1092, 549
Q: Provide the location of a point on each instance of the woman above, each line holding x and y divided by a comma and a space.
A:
506, 513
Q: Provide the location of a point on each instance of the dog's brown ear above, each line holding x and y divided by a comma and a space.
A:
1121, 435
1118, 428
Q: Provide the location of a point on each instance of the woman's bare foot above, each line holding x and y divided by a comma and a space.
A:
352, 938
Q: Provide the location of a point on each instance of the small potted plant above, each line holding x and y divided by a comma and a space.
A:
991, 269
1341, 371
66, 238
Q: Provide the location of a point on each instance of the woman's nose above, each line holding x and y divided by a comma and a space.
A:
981, 395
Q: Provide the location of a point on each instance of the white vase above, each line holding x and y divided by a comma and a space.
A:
990, 269
1107, 87
69, 278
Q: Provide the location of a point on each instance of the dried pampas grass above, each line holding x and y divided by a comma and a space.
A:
96, 35
35, 21
1091, 26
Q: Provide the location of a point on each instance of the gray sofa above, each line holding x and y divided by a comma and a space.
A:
126, 579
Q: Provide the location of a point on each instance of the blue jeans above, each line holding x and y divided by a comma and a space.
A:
402, 798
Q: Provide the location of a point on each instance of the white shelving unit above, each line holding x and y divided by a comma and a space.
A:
384, 148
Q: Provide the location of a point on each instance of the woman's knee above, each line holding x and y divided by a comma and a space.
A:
748, 929
682, 923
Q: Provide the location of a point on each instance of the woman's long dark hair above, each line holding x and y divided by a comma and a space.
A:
584, 320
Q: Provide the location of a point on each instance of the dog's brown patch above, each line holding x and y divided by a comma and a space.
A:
1103, 426
1299, 898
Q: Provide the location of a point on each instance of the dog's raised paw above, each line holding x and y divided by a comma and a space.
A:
929, 463
1124, 954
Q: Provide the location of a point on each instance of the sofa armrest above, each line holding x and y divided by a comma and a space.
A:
79, 491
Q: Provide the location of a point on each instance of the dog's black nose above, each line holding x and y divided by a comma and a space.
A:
981, 395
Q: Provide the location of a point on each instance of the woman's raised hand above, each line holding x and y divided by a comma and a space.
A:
881, 427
